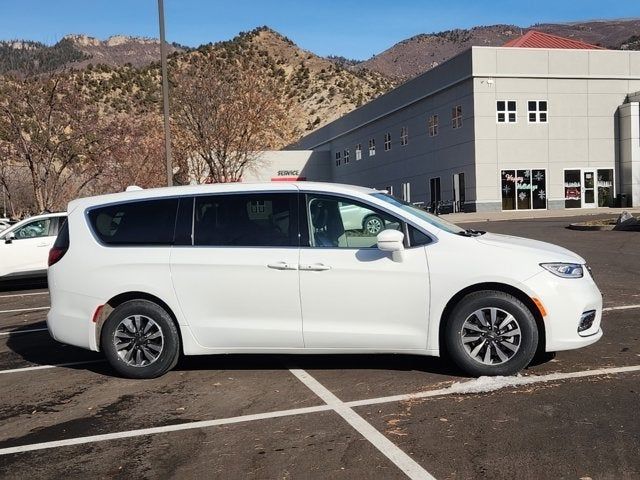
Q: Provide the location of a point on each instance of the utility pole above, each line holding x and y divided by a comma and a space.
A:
165, 95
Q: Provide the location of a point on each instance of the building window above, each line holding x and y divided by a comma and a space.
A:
387, 142
404, 136
456, 116
433, 125
346, 156
338, 159
358, 152
524, 189
537, 110
372, 147
506, 111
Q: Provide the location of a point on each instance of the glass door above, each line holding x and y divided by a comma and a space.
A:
589, 188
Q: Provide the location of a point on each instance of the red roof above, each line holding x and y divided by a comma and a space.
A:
535, 39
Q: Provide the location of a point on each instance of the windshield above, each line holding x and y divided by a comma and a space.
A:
421, 214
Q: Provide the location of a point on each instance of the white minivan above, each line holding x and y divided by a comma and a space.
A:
144, 276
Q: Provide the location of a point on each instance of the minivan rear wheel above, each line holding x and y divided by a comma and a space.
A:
491, 333
140, 340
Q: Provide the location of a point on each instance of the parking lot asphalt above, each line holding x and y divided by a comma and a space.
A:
63, 411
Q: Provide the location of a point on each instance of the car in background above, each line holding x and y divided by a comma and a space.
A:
144, 276
24, 246
4, 224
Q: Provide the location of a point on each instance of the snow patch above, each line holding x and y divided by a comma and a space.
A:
487, 384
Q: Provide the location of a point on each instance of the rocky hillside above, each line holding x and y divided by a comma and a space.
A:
78, 51
417, 54
321, 89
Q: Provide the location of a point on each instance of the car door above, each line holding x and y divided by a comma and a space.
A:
355, 296
237, 278
28, 250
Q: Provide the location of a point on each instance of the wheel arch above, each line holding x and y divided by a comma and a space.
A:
500, 287
121, 298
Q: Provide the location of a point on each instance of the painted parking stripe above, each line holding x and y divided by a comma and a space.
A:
283, 413
16, 295
169, 428
19, 332
45, 367
621, 307
18, 310
389, 449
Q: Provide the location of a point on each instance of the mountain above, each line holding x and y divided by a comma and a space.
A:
320, 89
118, 50
420, 53
78, 51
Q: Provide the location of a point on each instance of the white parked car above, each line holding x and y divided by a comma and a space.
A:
270, 268
24, 246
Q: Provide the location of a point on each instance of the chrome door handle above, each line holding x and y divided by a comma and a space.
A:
42, 245
283, 266
316, 267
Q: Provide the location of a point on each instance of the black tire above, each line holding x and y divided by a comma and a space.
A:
369, 222
169, 341
506, 304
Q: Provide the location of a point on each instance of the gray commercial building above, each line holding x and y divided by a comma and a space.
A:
542, 122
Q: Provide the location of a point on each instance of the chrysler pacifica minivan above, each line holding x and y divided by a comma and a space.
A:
144, 276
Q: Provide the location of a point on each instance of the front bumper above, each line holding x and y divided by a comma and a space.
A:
565, 300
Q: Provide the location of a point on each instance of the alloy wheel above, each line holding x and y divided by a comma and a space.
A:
491, 336
138, 340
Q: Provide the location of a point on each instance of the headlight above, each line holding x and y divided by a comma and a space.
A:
564, 270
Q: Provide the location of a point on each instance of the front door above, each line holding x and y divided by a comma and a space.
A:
237, 284
589, 197
355, 296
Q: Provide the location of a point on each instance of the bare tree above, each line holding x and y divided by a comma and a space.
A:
137, 155
47, 128
225, 113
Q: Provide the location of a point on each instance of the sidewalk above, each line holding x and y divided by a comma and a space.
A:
525, 214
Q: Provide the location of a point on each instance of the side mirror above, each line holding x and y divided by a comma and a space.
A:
390, 241
9, 237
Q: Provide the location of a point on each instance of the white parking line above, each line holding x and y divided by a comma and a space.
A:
14, 295
454, 390
32, 309
19, 332
45, 367
168, 428
389, 449
621, 307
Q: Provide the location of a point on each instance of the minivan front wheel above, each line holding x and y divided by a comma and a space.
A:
140, 340
491, 333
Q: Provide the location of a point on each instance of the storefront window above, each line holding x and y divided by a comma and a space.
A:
508, 189
572, 189
605, 188
524, 189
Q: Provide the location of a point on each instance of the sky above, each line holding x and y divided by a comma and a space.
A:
354, 29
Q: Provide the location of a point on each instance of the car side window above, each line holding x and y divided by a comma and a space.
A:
338, 222
246, 220
417, 238
144, 222
35, 229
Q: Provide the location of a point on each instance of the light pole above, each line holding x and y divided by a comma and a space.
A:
165, 95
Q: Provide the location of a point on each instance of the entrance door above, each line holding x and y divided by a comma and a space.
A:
589, 189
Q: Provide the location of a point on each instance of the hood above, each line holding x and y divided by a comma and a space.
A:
546, 252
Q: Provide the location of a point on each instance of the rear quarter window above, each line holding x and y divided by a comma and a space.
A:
148, 222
